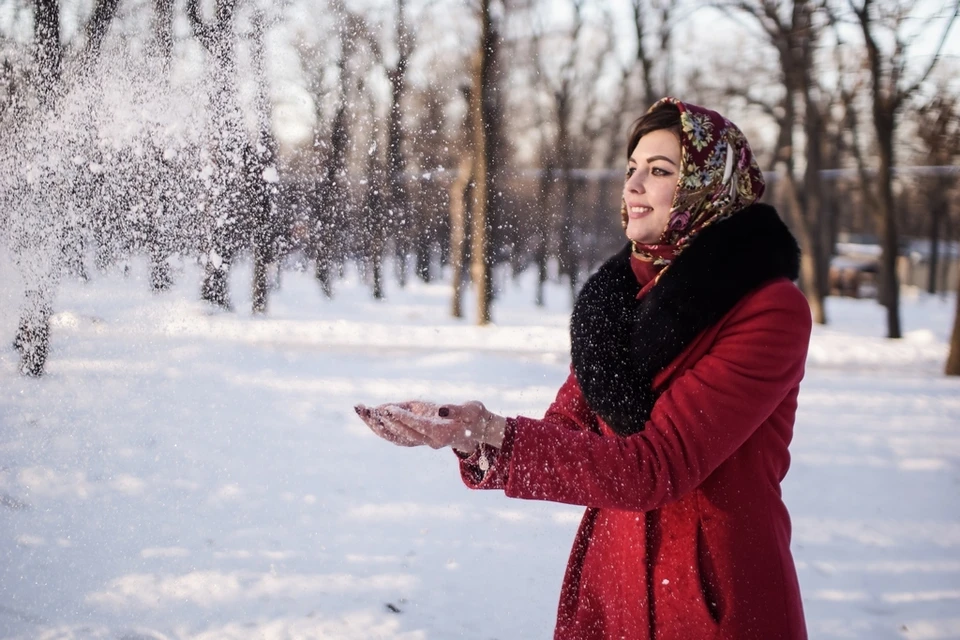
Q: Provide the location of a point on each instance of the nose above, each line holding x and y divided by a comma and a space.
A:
634, 183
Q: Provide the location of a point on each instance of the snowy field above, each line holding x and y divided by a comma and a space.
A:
186, 473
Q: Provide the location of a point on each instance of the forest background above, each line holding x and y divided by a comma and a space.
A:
484, 137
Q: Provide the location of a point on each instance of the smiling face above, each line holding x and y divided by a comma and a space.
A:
652, 175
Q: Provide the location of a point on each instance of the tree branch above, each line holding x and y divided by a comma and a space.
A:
205, 34
96, 29
936, 55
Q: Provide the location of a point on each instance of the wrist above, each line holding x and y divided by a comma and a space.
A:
492, 432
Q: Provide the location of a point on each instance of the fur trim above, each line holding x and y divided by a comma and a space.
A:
619, 344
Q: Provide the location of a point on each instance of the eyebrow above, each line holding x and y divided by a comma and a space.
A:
652, 158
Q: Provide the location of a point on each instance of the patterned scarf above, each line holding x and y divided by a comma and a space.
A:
718, 177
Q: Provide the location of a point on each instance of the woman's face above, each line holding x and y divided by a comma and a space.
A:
652, 175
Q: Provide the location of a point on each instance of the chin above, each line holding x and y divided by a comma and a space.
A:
642, 238
645, 231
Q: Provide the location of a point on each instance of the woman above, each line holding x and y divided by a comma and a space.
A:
687, 352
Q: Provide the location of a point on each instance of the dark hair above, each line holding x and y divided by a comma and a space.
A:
666, 115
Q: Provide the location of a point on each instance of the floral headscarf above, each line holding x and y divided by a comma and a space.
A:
718, 177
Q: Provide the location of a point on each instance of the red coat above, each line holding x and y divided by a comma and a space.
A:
685, 534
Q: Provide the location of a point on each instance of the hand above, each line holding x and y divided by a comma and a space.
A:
414, 423
475, 422
387, 429
462, 427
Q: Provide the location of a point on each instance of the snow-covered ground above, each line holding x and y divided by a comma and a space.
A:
185, 473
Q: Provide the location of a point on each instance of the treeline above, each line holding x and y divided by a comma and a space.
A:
445, 135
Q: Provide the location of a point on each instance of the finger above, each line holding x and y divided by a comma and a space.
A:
429, 430
410, 435
395, 435
378, 426
450, 412
466, 414
414, 419
410, 425
417, 407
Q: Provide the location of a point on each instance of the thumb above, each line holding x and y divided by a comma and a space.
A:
467, 412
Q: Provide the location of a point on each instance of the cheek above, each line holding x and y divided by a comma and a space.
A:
666, 196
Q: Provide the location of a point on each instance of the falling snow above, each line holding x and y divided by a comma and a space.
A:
186, 474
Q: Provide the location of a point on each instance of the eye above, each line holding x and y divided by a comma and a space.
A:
631, 171
657, 171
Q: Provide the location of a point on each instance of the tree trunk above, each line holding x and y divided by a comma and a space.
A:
377, 271
260, 287
808, 245
215, 287
399, 222
374, 234
945, 264
953, 359
480, 247
332, 199
540, 256
163, 30
48, 51
227, 231
423, 256
33, 334
459, 196
260, 201
889, 283
32, 339
568, 251
938, 207
542, 226
815, 213
160, 277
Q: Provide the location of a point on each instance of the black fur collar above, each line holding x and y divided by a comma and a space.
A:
619, 344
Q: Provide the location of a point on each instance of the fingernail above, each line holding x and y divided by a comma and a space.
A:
358, 410
443, 412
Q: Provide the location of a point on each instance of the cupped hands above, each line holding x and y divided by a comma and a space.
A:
414, 423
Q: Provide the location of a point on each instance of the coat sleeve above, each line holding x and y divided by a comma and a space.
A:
699, 421
486, 467
570, 409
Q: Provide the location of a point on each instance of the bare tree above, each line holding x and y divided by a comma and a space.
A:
375, 198
330, 197
481, 107
430, 228
939, 130
953, 359
891, 86
397, 198
461, 193
577, 116
653, 24
163, 30
158, 240
259, 172
95, 30
793, 30
48, 50
33, 332
646, 56
226, 234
